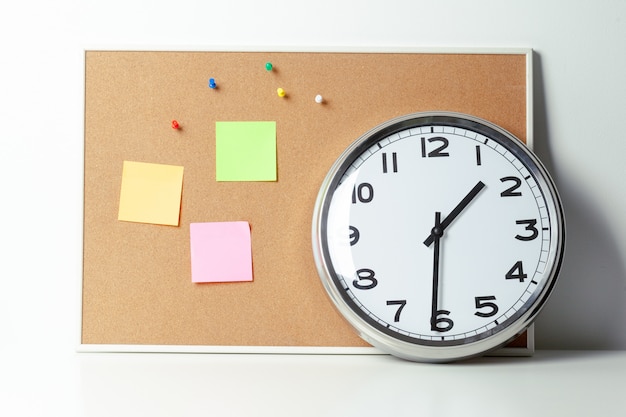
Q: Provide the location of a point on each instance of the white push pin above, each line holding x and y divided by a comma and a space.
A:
319, 99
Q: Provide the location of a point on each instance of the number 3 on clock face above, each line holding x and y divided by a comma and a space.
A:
438, 236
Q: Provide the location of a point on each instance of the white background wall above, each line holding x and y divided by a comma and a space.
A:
580, 110
580, 106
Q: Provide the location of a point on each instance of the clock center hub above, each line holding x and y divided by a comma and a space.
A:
436, 232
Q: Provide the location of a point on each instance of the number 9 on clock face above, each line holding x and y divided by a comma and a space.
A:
438, 236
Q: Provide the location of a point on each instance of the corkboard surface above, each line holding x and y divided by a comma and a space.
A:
137, 285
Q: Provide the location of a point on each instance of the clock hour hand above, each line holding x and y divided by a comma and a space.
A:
437, 232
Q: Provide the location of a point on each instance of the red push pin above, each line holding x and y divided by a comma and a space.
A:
175, 125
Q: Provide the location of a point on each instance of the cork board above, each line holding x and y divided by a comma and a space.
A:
137, 287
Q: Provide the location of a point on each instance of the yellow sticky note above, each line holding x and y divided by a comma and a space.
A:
151, 193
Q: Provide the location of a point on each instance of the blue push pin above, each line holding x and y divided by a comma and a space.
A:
212, 83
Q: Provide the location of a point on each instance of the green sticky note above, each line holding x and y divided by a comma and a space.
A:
245, 151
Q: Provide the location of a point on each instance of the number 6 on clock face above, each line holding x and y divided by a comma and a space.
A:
438, 236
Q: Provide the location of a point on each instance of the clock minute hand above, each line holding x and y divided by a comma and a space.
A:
435, 288
454, 213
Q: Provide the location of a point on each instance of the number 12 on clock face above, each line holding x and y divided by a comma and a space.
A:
438, 233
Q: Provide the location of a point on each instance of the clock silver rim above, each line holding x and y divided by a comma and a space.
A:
418, 351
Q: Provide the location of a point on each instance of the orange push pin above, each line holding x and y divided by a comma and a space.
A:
175, 125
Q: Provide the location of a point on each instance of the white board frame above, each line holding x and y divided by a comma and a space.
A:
528, 350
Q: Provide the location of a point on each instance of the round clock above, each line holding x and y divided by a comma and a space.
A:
438, 236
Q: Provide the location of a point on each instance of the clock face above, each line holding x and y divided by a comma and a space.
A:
438, 236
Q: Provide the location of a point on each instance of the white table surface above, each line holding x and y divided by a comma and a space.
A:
552, 383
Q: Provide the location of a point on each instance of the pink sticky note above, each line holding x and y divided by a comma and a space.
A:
220, 252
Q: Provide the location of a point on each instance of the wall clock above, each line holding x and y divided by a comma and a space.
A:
438, 236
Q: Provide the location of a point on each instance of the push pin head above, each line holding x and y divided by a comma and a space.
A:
281, 92
175, 125
269, 66
319, 99
212, 83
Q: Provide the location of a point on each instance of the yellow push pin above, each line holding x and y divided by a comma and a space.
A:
281, 92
